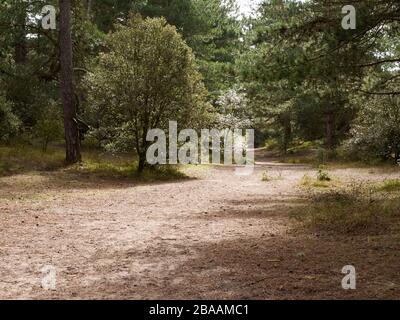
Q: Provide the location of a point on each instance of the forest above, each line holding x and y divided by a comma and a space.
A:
83, 85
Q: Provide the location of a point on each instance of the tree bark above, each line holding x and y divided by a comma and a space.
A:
72, 141
330, 129
286, 123
141, 164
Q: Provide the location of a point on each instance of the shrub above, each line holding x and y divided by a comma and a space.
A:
49, 126
9, 123
265, 176
323, 175
376, 131
322, 180
145, 78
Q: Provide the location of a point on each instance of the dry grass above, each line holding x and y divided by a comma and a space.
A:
390, 185
23, 159
322, 179
267, 176
27, 158
353, 210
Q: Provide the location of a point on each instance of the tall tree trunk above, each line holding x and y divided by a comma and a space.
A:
20, 48
72, 141
330, 129
286, 123
89, 8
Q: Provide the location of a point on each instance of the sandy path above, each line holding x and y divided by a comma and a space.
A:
219, 236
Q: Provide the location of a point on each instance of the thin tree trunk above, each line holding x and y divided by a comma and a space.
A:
330, 129
141, 164
89, 8
286, 123
72, 142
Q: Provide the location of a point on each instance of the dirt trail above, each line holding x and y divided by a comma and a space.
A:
219, 236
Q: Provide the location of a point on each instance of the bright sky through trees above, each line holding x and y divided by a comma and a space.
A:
247, 5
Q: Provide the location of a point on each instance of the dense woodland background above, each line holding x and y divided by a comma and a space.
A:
290, 71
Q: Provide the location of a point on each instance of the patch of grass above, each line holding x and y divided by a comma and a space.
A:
355, 210
390, 185
19, 159
266, 177
299, 160
323, 175
124, 167
322, 180
162, 173
300, 146
23, 158
104, 168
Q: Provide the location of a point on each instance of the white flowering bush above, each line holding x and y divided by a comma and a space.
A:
233, 111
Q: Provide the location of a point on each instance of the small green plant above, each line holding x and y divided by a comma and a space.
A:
21, 158
321, 181
266, 177
323, 175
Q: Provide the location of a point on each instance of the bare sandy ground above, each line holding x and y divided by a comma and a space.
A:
218, 236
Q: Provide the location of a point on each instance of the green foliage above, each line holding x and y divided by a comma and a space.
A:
271, 144
49, 126
304, 73
109, 166
390, 185
9, 123
265, 177
323, 175
22, 158
376, 131
322, 180
146, 78
26, 158
211, 29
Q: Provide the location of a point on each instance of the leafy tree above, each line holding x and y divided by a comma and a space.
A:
303, 68
146, 77
376, 131
212, 29
9, 123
